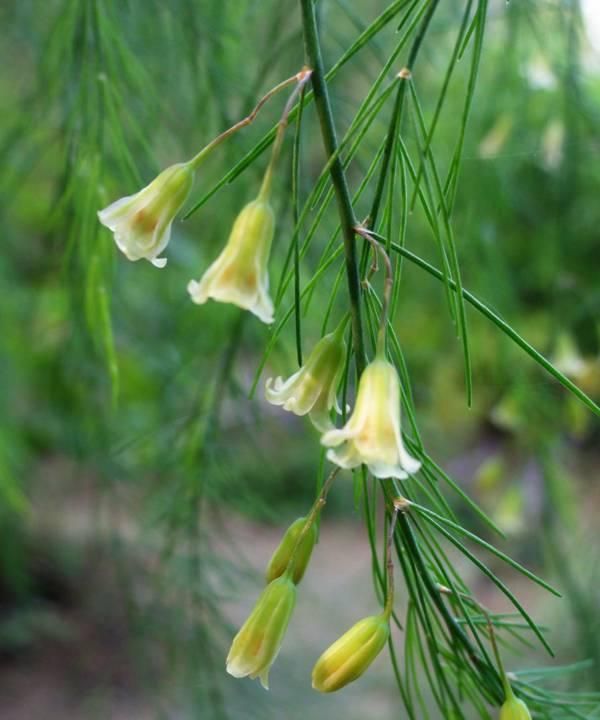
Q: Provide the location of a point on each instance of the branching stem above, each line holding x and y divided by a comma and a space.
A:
197, 160
303, 77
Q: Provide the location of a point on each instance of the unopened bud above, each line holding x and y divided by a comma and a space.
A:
514, 709
257, 644
349, 657
283, 554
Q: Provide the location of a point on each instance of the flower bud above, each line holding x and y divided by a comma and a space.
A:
240, 274
349, 657
514, 709
283, 554
372, 434
141, 223
313, 388
258, 642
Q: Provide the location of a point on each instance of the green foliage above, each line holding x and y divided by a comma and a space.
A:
472, 172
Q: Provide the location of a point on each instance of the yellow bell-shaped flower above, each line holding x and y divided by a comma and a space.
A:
280, 559
372, 434
257, 644
349, 657
240, 274
514, 709
313, 388
141, 223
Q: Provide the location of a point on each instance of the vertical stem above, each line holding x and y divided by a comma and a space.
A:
338, 178
389, 565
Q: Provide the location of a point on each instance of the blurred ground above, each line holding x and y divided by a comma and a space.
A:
81, 664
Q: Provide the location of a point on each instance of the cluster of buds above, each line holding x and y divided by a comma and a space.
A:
259, 640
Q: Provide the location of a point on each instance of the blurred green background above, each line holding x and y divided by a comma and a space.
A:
141, 491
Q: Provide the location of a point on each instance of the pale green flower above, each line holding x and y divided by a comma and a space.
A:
141, 223
372, 434
312, 389
240, 274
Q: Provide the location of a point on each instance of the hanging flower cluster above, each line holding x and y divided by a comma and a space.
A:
370, 436
141, 224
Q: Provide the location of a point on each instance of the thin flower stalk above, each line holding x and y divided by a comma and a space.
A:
240, 273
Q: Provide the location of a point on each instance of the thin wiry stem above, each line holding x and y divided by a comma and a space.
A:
338, 177
303, 77
197, 160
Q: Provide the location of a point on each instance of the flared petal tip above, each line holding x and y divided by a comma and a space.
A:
386, 471
410, 464
346, 462
159, 262
321, 421
273, 388
235, 670
334, 437
113, 214
264, 311
197, 292
264, 678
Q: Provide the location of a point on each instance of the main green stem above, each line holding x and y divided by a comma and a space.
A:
338, 178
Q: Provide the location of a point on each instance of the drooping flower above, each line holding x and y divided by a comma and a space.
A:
258, 642
312, 389
349, 656
287, 548
372, 434
141, 223
240, 274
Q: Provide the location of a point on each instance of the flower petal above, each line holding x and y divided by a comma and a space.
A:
347, 458
335, 437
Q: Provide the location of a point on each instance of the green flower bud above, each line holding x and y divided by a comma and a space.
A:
514, 709
282, 555
258, 642
349, 657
